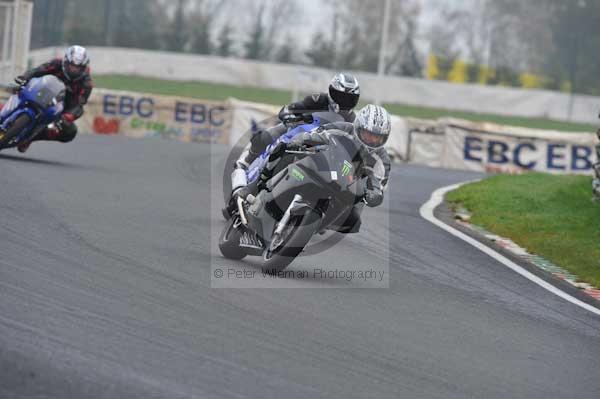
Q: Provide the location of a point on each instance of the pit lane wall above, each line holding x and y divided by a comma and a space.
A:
444, 143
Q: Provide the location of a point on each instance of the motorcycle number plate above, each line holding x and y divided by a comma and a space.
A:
334, 175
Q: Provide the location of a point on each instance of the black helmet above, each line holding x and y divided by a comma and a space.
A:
75, 62
372, 126
344, 91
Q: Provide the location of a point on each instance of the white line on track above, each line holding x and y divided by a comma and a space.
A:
427, 213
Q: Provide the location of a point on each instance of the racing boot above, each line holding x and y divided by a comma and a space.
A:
24, 146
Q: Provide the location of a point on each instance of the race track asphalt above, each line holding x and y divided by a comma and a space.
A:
107, 256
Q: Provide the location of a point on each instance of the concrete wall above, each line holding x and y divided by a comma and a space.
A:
467, 97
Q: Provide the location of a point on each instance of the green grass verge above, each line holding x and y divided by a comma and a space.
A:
551, 216
203, 90
216, 91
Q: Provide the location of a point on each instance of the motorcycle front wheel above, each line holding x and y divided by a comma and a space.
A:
17, 127
285, 248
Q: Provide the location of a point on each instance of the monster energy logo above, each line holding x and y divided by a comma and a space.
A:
296, 174
346, 168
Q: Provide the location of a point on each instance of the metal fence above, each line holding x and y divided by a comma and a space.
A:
15, 35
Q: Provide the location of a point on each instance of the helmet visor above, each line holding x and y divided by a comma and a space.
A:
346, 101
74, 70
371, 139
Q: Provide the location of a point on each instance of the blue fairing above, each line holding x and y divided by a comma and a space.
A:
259, 163
41, 99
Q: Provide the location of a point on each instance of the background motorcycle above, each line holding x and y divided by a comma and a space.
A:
30, 109
296, 124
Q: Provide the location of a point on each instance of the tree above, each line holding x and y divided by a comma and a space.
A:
48, 23
176, 35
267, 27
256, 45
200, 35
139, 29
286, 52
201, 24
321, 51
363, 36
225, 42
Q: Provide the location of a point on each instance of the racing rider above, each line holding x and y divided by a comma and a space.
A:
73, 70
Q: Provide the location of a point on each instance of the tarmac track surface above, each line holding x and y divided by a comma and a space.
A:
106, 255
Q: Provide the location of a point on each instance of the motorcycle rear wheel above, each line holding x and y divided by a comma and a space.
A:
229, 241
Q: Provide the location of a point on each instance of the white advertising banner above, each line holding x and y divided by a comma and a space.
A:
150, 115
500, 149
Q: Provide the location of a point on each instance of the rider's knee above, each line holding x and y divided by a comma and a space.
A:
260, 141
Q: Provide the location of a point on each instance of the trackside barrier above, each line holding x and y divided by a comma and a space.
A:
391, 89
445, 143
111, 112
486, 147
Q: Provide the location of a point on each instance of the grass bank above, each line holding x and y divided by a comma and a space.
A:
216, 91
551, 216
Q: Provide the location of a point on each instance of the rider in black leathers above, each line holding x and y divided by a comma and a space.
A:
343, 95
371, 127
73, 70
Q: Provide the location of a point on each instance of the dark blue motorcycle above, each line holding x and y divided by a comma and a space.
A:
30, 110
306, 122
296, 124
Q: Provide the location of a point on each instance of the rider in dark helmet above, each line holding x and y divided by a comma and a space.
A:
342, 97
372, 127
73, 70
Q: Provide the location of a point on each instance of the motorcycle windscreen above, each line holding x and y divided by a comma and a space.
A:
45, 91
10, 106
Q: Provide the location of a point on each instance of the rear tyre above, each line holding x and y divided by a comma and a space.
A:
229, 241
13, 131
294, 238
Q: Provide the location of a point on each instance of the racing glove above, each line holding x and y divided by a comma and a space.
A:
21, 80
373, 193
68, 117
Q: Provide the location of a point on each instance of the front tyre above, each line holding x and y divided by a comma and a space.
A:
283, 250
229, 241
14, 130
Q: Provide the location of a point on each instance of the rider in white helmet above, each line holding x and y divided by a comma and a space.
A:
73, 70
371, 128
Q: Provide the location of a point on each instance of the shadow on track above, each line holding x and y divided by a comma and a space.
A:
45, 162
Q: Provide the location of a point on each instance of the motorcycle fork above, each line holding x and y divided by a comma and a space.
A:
286, 216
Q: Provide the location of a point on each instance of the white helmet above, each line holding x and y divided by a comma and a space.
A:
372, 126
75, 62
344, 91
